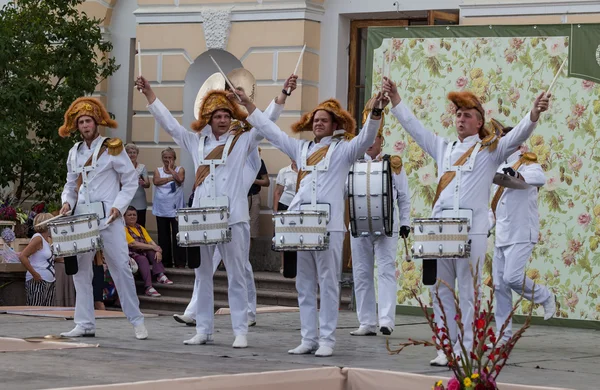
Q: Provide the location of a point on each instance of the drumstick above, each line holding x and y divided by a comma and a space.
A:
52, 219
407, 257
110, 219
226, 79
289, 90
556, 77
139, 56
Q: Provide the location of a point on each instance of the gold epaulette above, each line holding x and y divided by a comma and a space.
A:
396, 163
237, 126
115, 146
491, 142
529, 158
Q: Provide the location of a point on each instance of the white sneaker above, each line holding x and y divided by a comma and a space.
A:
199, 339
386, 330
324, 351
183, 319
240, 341
78, 331
141, 333
303, 349
365, 331
439, 361
251, 323
549, 307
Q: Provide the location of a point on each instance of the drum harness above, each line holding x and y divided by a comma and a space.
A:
87, 175
212, 200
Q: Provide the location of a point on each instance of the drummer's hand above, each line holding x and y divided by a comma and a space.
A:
66, 207
541, 104
291, 83
404, 231
245, 100
391, 89
114, 214
511, 172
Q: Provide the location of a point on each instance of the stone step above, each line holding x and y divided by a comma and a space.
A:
170, 304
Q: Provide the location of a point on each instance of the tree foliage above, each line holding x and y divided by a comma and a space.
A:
50, 54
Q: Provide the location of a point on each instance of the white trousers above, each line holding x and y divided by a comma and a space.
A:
365, 250
190, 310
508, 268
235, 255
116, 255
459, 270
322, 270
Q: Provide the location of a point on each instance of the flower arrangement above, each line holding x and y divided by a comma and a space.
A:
8, 235
476, 369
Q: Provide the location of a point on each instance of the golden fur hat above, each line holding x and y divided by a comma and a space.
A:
213, 101
367, 110
343, 118
85, 106
468, 100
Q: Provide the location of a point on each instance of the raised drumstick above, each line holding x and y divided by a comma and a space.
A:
297, 65
226, 79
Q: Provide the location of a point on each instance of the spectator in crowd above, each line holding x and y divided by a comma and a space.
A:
262, 180
145, 253
139, 199
285, 190
168, 197
38, 259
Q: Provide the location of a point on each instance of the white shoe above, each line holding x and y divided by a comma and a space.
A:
183, 319
386, 330
78, 331
141, 333
303, 349
549, 307
240, 341
324, 351
251, 323
439, 361
199, 339
365, 331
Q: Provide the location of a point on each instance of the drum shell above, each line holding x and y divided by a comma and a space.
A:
441, 238
203, 226
300, 231
370, 198
75, 235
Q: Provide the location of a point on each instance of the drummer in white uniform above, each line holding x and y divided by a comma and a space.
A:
367, 249
332, 127
100, 179
251, 169
474, 159
515, 214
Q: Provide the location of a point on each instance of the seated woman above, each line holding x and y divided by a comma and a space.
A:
37, 257
145, 252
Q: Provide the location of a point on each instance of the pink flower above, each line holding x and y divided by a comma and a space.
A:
575, 163
555, 46
579, 110
575, 245
552, 183
516, 43
453, 384
427, 179
556, 273
398, 43
510, 56
588, 85
461, 82
584, 219
568, 258
397, 274
572, 299
572, 123
399, 146
432, 47
447, 120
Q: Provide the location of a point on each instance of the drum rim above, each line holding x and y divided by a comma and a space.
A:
439, 220
75, 218
189, 210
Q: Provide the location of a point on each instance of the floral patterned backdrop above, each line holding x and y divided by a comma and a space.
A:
507, 73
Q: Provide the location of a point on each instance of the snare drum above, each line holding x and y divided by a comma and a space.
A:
75, 234
304, 230
370, 197
203, 226
441, 238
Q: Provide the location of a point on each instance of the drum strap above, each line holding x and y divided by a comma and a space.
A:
313, 159
216, 154
448, 176
93, 158
524, 159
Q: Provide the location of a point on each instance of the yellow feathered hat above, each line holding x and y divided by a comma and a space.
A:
217, 100
342, 117
468, 100
367, 110
85, 106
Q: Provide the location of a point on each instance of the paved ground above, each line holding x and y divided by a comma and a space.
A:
548, 356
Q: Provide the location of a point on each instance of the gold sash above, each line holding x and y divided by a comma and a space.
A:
217, 153
526, 158
313, 159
